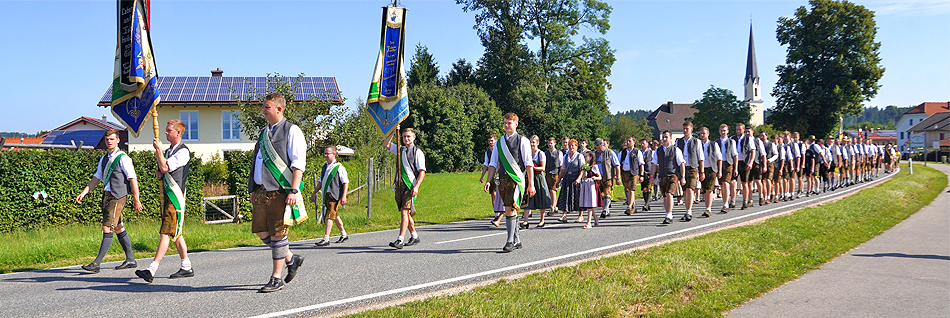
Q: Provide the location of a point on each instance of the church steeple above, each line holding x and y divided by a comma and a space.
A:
752, 87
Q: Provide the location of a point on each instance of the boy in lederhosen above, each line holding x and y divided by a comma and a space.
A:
631, 168
730, 160
411, 166
334, 183
115, 168
668, 167
693, 154
494, 185
173, 168
512, 160
646, 181
277, 166
712, 167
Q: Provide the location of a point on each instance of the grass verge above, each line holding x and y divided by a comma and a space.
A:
443, 198
699, 277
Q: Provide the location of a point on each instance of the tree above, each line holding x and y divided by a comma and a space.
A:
423, 68
315, 116
623, 127
442, 128
719, 106
462, 73
832, 66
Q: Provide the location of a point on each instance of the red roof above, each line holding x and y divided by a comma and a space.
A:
25, 140
930, 108
945, 143
670, 117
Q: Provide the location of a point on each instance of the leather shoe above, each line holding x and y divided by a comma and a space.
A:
273, 285
687, 218
706, 214
144, 274
322, 242
343, 239
667, 220
510, 246
127, 264
92, 267
412, 241
627, 212
397, 244
518, 245
182, 273
295, 263
724, 210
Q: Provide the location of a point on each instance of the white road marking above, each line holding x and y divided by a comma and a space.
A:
529, 264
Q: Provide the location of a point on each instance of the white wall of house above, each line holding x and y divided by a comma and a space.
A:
903, 123
210, 138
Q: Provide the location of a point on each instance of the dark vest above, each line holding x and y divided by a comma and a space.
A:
180, 175
514, 147
335, 189
690, 148
726, 147
551, 157
603, 158
279, 137
648, 159
572, 166
119, 184
666, 160
634, 157
411, 153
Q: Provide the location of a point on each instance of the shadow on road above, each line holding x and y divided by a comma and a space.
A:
940, 257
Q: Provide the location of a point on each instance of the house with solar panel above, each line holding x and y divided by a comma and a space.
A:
86, 132
208, 107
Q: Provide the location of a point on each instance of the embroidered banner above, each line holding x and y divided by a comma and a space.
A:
388, 100
135, 83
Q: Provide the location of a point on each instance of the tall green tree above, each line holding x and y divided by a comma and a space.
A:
443, 130
719, 106
462, 72
623, 127
315, 115
423, 68
832, 66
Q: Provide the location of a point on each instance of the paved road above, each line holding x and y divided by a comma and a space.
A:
904, 272
361, 272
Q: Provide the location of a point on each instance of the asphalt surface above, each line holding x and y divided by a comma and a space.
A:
361, 272
904, 272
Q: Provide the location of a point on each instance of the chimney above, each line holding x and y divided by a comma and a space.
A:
217, 72
104, 118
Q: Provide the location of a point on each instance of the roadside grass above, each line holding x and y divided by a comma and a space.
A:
703, 276
443, 198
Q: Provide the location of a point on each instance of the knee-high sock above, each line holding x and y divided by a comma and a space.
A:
511, 224
126, 245
104, 247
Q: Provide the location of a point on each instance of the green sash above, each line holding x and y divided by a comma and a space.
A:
509, 164
173, 191
406, 174
327, 176
111, 167
293, 214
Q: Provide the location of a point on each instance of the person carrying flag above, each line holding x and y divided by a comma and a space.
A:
115, 167
173, 167
279, 159
411, 163
512, 157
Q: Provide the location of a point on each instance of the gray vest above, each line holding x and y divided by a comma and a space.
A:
690, 148
712, 153
551, 157
572, 165
647, 159
411, 153
634, 156
759, 151
279, 138
119, 184
180, 175
514, 147
727, 150
603, 158
666, 160
335, 185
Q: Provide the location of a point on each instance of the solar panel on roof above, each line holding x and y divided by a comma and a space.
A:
88, 137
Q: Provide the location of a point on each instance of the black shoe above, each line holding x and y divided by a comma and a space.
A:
540, 225
667, 220
397, 244
627, 212
686, 218
518, 245
343, 239
92, 267
604, 215
412, 241
295, 263
273, 285
182, 273
524, 225
145, 274
510, 246
127, 264
724, 210
322, 242
706, 214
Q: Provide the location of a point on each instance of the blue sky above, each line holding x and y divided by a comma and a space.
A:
56, 57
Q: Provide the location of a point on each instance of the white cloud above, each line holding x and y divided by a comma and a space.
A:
910, 7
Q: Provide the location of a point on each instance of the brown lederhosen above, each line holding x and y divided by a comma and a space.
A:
404, 197
692, 176
668, 183
628, 180
112, 209
332, 206
726, 173
268, 212
551, 179
709, 183
506, 189
169, 218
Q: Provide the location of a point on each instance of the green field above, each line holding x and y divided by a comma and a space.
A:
699, 277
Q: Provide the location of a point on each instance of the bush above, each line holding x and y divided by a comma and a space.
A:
62, 174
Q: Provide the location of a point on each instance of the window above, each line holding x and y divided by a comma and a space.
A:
230, 126
902, 135
191, 125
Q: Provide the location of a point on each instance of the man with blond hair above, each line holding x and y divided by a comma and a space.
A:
512, 160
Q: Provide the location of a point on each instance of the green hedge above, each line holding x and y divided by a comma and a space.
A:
63, 174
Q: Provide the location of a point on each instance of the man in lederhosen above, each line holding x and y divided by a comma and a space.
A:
631, 167
668, 167
646, 181
279, 159
747, 153
552, 166
512, 160
494, 184
115, 168
712, 167
173, 168
411, 166
610, 168
693, 154
730, 160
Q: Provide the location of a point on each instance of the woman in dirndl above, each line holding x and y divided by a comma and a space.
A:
541, 200
569, 198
